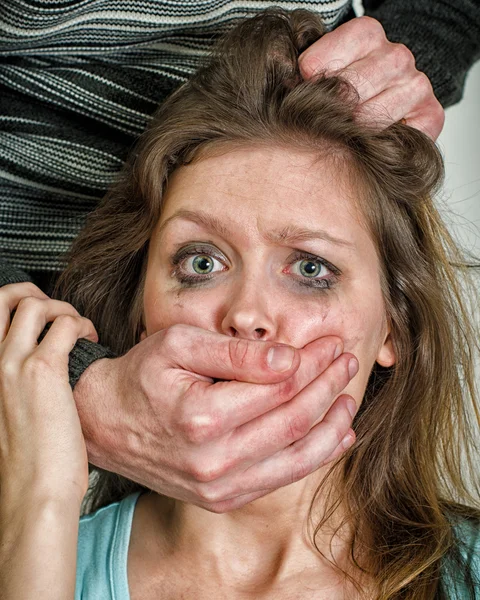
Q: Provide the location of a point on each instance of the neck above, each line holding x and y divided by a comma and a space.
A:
262, 544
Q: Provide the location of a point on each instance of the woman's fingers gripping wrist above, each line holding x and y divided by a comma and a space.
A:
31, 316
10, 296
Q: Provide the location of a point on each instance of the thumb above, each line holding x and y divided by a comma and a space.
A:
222, 357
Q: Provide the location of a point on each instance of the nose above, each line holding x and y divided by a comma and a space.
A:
249, 313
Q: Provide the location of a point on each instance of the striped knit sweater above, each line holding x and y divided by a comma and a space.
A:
79, 80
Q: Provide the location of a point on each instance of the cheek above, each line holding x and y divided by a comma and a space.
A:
366, 330
164, 308
358, 323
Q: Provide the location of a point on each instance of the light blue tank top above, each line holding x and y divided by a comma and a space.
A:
102, 550
104, 536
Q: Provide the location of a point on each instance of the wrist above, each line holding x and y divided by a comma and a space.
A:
17, 502
95, 397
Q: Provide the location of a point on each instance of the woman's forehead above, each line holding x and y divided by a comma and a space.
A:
273, 190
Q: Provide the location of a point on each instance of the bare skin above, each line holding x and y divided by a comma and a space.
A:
109, 395
390, 86
384, 74
255, 289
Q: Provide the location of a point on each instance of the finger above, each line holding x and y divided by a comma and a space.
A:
62, 337
345, 444
242, 500
291, 421
224, 357
233, 503
390, 66
428, 122
29, 321
210, 416
391, 105
290, 464
10, 296
428, 115
343, 46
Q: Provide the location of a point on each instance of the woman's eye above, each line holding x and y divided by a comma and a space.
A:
194, 266
201, 264
310, 268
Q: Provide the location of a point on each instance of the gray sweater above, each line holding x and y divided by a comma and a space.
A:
78, 85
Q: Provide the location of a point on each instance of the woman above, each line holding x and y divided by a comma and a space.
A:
257, 206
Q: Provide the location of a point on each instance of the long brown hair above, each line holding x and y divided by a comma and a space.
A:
403, 482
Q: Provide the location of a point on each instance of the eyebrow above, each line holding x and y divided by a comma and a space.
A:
287, 235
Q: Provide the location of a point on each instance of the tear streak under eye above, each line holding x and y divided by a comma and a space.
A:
189, 279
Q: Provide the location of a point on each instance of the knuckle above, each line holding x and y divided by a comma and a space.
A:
8, 369
238, 350
205, 473
29, 288
331, 385
68, 321
372, 27
341, 432
300, 469
438, 114
219, 508
208, 494
309, 62
172, 336
438, 110
37, 364
88, 323
402, 56
26, 287
423, 84
283, 391
197, 429
296, 426
30, 303
321, 365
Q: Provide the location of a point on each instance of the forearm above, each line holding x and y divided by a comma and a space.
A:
38, 549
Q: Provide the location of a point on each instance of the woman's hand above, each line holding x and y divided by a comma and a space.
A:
383, 72
42, 448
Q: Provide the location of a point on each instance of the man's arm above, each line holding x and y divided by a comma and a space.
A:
443, 36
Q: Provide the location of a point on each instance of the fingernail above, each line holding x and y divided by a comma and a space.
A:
353, 367
352, 407
280, 358
338, 351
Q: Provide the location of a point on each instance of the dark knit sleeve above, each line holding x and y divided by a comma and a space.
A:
84, 352
443, 36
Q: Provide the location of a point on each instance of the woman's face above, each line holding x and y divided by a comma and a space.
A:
266, 244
